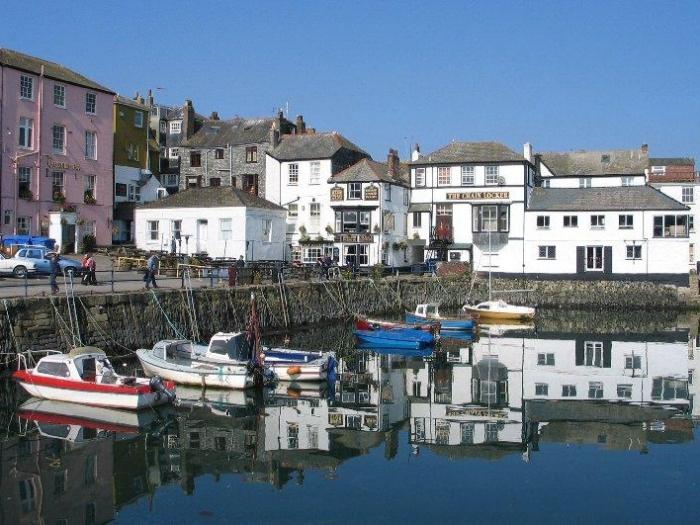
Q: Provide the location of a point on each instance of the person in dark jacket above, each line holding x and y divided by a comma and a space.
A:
55, 270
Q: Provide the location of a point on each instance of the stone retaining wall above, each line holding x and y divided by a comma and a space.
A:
127, 321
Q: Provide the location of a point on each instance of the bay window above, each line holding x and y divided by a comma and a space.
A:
670, 226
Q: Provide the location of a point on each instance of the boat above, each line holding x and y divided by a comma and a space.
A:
174, 360
427, 312
299, 365
364, 323
406, 352
396, 338
85, 376
491, 312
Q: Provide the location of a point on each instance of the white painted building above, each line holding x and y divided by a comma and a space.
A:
222, 222
340, 203
676, 178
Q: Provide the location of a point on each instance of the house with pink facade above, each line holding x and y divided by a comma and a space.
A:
56, 150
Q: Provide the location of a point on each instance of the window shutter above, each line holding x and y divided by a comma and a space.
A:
579, 352
580, 259
607, 260
607, 354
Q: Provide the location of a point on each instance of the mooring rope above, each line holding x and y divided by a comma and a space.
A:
99, 329
177, 332
9, 325
64, 329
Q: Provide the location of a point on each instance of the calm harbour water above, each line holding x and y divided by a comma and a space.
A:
586, 419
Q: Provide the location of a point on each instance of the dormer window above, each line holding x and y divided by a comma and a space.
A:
175, 127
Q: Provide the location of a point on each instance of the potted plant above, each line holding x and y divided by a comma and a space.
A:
26, 194
89, 198
376, 228
59, 197
416, 236
302, 233
329, 229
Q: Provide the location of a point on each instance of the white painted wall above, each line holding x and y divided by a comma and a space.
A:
675, 191
602, 181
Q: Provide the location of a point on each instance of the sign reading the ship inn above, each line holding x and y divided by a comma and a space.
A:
477, 195
337, 193
372, 193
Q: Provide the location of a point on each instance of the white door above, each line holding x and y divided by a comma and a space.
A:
202, 235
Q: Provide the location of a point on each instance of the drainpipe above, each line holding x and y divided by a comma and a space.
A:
230, 164
38, 142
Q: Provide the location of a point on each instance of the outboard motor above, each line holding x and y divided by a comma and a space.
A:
157, 385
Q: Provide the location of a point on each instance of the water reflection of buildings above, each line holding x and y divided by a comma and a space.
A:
508, 394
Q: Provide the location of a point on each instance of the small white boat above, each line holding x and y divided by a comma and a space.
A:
177, 361
499, 312
85, 376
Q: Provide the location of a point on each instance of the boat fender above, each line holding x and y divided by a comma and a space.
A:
157, 385
294, 370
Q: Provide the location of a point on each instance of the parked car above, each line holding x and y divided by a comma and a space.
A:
42, 261
18, 268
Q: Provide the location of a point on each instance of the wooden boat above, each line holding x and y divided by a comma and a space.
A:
299, 365
396, 338
85, 376
364, 323
428, 312
173, 360
500, 312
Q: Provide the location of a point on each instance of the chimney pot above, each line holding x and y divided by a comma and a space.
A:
415, 154
645, 148
214, 115
527, 151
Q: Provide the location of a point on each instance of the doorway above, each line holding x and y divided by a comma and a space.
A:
202, 235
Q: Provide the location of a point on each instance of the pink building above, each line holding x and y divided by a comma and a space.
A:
56, 145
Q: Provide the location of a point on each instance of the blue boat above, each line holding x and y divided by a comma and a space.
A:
405, 352
428, 312
396, 338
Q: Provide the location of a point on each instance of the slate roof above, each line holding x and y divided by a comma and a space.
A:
671, 161
470, 152
312, 146
610, 162
602, 199
367, 170
31, 64
236, 131
211, 197
126, 101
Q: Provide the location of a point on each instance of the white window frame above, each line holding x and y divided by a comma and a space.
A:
153, 228
687, 194
633, 252
444, 176
543, 222
572, 219
58, 131
541, 389
597, 222
225, 229
130, 192
60, 178
91, 103
59, 96
468, 175
595, 267
293, 174
138, 119
568, 391
387, 191
175, 127
627, 180
585, 182
491, 174
314, 172
625, 221
90, 145
174, 153
89, 182
25, 137
26, 87
420, 177
547, 252
545, 359
266, 225
354, 188
293, 211
26, 225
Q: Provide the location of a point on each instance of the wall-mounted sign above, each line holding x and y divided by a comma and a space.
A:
354, 237
372, 193
63, 166
337, 193
478, 195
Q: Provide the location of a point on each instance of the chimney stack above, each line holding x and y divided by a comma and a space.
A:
645, 149
392, 162
214, 115
415, 154
188, 119
527, 151
301, 125
150, 98
274, 135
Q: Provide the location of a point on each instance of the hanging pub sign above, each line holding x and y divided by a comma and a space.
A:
477, 195
337, 193
372, 193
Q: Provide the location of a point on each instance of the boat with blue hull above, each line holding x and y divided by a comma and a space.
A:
396, 338
429, 312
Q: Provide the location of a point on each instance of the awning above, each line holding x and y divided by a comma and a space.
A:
415, 242
419, 207
461, 246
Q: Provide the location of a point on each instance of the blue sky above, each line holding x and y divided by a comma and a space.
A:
562, 75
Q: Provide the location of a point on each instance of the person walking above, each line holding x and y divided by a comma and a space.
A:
240, 263
55, 270
91, 270
84, 266
151, 268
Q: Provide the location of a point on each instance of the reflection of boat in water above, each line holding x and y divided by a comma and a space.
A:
409, 352
406, 338
63, 413
499, 312
429, 312
85, 375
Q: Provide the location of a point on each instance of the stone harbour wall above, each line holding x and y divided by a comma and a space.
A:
123, 322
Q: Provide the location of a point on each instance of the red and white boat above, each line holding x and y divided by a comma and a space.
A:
364, 323
86, 376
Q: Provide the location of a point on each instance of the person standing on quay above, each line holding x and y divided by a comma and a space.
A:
151, 267
55, 269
